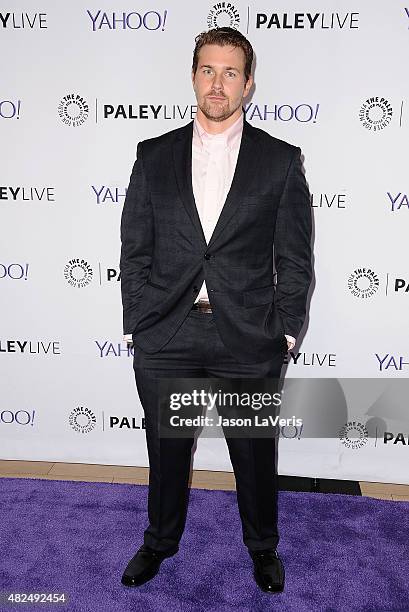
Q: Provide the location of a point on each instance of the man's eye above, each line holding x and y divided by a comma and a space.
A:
231, 74
207, 71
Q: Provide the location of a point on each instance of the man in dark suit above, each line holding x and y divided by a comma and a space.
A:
209, 208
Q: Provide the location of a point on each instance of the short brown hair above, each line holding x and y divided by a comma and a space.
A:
223, 37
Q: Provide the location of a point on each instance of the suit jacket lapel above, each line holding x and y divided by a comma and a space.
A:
246, 164
182, 158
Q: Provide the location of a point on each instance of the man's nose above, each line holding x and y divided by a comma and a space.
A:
217, 82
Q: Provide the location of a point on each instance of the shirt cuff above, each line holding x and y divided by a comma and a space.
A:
128, 338
291, 340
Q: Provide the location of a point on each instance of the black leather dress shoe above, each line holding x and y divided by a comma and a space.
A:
268, 570
144, 566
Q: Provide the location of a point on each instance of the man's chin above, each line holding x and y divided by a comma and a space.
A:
214, 115
217, 118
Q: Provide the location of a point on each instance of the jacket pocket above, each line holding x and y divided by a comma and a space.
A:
156, 286
259, 296
255, 200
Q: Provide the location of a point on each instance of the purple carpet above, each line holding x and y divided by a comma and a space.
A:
341, 553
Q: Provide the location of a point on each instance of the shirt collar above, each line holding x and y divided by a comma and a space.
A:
231, 136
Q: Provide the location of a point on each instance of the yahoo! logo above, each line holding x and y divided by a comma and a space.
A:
109, 194
393, 362
151, 20
20, 417
10, 109
109, 349
398, 201
14, 271
303, 113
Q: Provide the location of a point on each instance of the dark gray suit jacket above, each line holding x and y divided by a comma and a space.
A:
165, 258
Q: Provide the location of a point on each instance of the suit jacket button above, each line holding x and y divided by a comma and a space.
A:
207, 256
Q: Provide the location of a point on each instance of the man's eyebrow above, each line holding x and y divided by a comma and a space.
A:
225, 67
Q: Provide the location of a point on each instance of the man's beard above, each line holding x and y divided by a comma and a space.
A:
220, 115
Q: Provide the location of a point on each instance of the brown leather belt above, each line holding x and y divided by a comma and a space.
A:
202, 306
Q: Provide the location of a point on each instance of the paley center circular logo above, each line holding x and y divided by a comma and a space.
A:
353, 434
73, 110
223, 14
78, 273
82, 420
363, 283
375, 113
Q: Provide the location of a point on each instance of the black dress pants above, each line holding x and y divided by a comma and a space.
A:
197, 351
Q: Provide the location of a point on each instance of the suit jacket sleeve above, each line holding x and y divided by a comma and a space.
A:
137, 243
292, 248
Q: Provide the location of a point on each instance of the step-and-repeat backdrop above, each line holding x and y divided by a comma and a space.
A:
81, 84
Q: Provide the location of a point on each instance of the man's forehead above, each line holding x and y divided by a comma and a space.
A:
221, 55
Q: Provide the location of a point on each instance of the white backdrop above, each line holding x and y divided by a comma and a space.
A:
81, 84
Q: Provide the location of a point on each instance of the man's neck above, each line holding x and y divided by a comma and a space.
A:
217, 127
